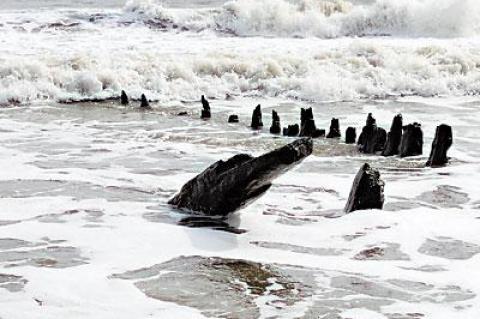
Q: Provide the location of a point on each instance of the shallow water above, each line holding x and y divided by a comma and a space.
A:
86, 190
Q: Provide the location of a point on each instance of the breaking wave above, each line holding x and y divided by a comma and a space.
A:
278, 18
358, 71
50, 56
324, 18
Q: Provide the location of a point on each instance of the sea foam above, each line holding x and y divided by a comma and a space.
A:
337, 18
284, 57
325, 18
362, 69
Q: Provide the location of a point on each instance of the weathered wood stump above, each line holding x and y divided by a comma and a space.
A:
305, 114
307, 122
233, 118
394, 137
144, 104
334, 129
276, 127
124, 98
257, 122
372, 139
291, 130
228, 185
350, 135
206, 113
440, 146
381, 139
367, 190
412, 140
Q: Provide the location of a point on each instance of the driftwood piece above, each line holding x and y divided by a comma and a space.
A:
228, 185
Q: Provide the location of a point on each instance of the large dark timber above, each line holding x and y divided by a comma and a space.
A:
228, 185
367, 190
441, 143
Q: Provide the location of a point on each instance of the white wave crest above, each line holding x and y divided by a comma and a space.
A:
359, 70
148, 8
325, 18
336, 18
153, 13
282, 18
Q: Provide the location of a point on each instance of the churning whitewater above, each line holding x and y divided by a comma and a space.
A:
307, 50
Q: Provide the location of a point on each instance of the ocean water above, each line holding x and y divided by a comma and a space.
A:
307, 49
85, 228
